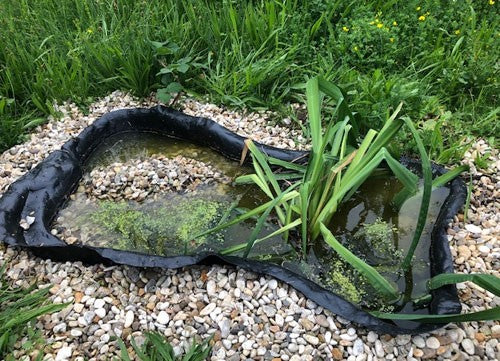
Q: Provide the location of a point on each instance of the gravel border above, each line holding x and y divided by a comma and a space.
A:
251, 316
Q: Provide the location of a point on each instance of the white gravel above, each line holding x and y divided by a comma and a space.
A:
252, 317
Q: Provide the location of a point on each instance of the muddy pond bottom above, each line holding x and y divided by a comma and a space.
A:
168, 223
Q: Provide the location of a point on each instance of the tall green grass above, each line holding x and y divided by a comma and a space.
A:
256, 54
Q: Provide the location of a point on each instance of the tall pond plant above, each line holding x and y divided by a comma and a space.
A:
306, 197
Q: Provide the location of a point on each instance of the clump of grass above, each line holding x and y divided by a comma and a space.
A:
156, 348
18, 307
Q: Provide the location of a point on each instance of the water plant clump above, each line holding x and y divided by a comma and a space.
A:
342, 280
378, 241
160, 229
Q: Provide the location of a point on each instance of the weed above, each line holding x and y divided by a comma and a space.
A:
156, 348
18, 307
158, 230
378, 240
256, 54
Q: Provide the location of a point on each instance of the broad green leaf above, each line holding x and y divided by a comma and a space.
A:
338, 139
347, 184
261, 158
288, 195
173, 87
313, 111
287, 165
367, 140
304, 208
426, 196
183, 67
258, 227
448, 176
123, 350
404, 175
338, 95
279, 231
385, 135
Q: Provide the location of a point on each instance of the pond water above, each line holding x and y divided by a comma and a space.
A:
166, 223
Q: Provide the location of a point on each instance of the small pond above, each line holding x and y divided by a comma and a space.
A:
165, 223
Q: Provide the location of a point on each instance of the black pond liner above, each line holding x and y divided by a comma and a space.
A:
42, 191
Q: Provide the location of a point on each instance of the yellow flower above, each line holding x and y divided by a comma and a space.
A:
457, 32
380, 25
356, 48
345, 28
418, 8
391, 40
394, 23
492, 2
421, 18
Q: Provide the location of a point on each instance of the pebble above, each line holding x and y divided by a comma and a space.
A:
371, 337
358, 347
211, 288
433, 343
485, 250
100, 312
473, 228
163, 318
273, 284
64, 353
313, 340
99, 303
129, 319
208, 309
76, 332
468, 346
247, 345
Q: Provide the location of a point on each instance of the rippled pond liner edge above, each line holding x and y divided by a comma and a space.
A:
42, 191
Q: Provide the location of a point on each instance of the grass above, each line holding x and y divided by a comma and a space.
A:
258, 54
156, 348
18, 308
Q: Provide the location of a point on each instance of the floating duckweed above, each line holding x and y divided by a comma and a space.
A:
160, 228
342, 280
378, 236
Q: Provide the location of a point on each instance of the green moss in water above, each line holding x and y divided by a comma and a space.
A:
159, 228
341, 279
347, 282
378, 238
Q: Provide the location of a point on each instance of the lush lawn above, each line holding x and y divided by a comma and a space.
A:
439, 57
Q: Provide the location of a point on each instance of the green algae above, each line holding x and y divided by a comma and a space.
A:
343, 281
157, 229
378, 238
